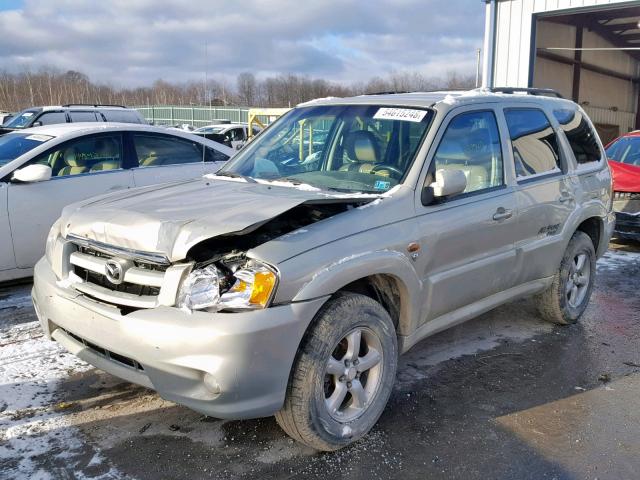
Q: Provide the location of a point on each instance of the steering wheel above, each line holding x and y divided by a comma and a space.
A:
391, 168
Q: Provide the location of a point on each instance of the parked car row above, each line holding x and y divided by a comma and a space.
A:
71, 113
288, 282
624, 159
233, 135
43, 169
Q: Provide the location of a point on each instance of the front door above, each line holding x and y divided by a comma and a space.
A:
467, 240
81, 168
7, 259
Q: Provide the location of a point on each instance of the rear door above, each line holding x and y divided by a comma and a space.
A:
166, 158
82, 168
544, 193
467, 240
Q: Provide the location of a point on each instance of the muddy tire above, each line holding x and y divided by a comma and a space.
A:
568, 296
343, 374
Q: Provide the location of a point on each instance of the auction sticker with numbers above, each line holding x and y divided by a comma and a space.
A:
406, 114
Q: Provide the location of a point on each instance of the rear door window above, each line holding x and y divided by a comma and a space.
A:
534, 142
158, 150
582, 139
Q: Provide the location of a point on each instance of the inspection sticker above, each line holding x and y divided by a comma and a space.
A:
406, 114
381, 185
38, 138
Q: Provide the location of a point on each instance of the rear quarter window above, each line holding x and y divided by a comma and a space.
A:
582, 138
122, 116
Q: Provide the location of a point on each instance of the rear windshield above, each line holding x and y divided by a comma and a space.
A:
625, 150
22, 119
13, 145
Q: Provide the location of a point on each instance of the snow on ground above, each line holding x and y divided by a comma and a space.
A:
38, 439
35, 439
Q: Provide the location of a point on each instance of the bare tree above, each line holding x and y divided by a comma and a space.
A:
247, 88
49, 86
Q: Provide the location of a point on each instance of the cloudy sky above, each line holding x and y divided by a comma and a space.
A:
134, 42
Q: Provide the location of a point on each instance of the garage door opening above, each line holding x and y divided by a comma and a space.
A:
591, 55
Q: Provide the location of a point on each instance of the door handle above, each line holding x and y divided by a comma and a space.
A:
118, 187
502, 214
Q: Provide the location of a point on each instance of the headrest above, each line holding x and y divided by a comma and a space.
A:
71, 159
362, 146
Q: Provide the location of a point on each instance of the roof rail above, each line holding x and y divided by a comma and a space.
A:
546, 92
92, 105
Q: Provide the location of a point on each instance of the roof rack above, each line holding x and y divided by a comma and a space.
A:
546, 92
92, 105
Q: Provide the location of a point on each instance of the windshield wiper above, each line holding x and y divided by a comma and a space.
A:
236, 175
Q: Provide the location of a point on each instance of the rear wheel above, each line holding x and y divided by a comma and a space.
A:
568, 296
343, 374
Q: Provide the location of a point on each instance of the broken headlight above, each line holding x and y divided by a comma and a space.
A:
249, 287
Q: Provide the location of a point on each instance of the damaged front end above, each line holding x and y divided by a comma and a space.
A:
226, 278
627, 208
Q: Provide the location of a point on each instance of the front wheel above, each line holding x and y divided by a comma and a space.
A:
568, 296
343, 375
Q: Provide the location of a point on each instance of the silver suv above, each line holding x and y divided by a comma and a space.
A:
349, 230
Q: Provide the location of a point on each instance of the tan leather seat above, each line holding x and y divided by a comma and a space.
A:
75, 164
150, 159
363, 152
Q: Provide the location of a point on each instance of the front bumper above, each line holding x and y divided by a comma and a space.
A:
245, 357
627, 226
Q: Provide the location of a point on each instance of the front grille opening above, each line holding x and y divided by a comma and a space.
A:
109, 355
125, 287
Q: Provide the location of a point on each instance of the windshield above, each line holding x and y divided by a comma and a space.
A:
21, 119
13, 145
209, 129
349, 148
625, 150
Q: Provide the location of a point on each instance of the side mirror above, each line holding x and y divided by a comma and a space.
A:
448, 182
37, 124
32, 174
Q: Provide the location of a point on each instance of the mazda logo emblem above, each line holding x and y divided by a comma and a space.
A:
114, 272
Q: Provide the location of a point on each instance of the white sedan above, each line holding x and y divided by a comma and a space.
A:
43, 169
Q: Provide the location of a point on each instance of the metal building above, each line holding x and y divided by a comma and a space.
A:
589, 50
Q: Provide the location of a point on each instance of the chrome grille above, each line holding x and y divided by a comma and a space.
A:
144, 284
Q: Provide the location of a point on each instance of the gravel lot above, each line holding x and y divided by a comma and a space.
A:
503, 396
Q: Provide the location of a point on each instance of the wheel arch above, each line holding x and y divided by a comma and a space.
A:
387, 277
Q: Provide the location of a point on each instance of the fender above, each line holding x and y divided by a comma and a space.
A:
346, 270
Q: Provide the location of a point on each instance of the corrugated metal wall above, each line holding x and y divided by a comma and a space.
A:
610, 101
513, 35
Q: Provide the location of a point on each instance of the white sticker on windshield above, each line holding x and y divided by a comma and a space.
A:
27, 114
38, 138
406, 114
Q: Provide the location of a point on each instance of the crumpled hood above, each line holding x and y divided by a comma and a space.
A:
170, 219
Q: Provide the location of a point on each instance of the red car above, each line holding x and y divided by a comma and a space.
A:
624, 158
